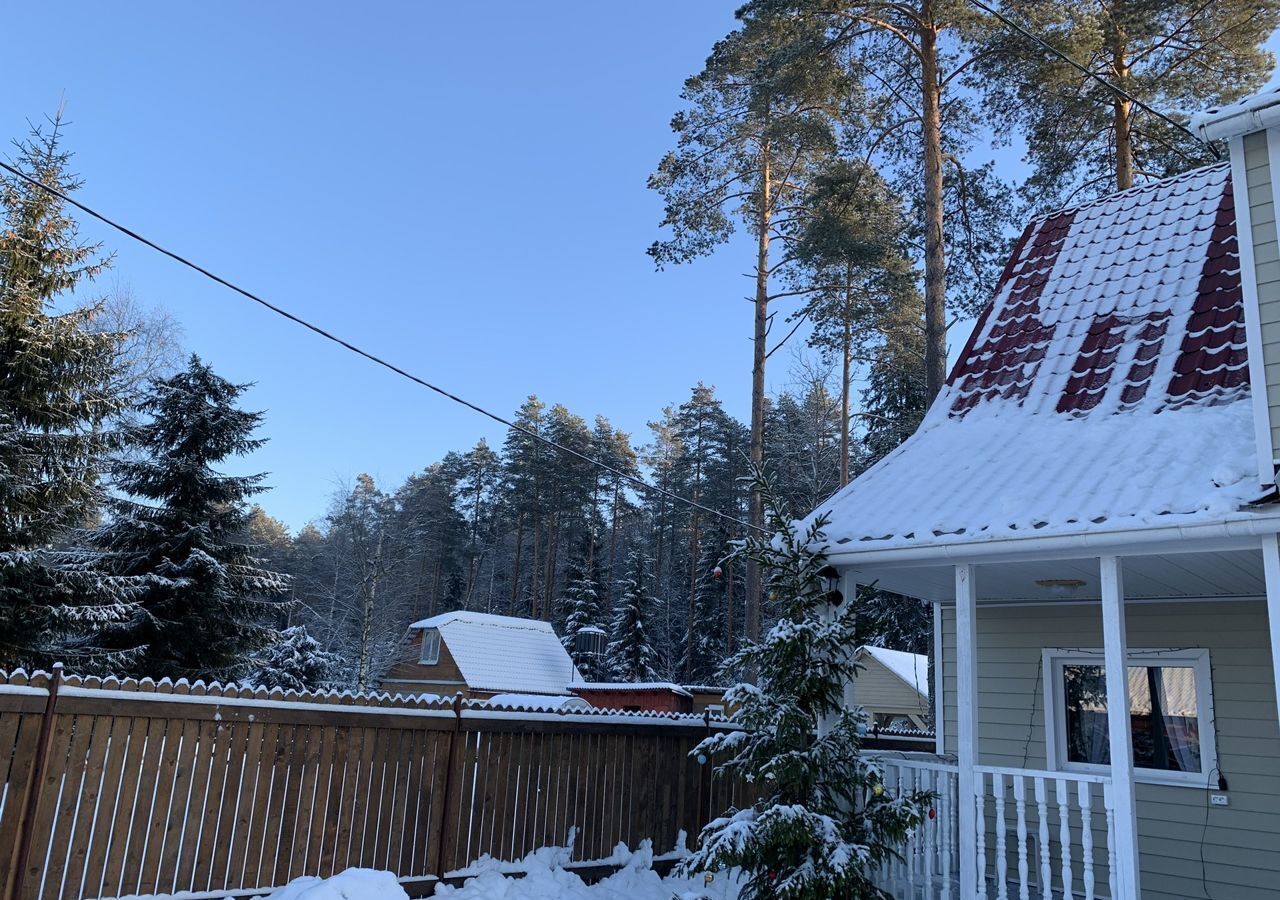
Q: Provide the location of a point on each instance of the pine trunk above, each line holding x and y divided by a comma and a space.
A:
846, 373
759, 339
515, 566
935, 275
1123, 112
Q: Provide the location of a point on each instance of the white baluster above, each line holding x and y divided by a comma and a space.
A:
1109, 805
906, 783
1064, 836
980, 798
1020, 804
1086, 838
946, 837
930, 784
1002, 851
1046, 867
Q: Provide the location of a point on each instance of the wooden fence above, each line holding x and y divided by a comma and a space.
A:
113, 788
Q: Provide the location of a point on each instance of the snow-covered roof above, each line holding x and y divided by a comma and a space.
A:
1106, 386
912, 668
503, 653
630, 686
538, 701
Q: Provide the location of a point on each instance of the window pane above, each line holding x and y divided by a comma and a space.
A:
1162, 714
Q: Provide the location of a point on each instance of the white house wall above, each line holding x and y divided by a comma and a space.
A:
1242, 840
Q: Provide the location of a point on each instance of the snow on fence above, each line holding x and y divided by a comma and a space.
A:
113, 788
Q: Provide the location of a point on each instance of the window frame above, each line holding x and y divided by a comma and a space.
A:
1053, 661
422, 654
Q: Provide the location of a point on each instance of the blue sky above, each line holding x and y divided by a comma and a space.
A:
458, 187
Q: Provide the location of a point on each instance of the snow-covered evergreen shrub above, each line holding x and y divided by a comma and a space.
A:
296, 661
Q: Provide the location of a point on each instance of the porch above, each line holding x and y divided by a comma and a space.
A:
1018, 814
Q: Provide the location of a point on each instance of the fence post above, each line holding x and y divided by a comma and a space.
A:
449, 781
31, 797
705, 779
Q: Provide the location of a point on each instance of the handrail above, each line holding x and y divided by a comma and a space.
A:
1086, 777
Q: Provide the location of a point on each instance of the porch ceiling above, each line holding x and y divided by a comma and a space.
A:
1220, 574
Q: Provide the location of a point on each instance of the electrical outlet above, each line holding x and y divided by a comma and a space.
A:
1219, 800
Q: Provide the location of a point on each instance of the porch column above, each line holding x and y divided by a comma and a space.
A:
971, 870
849, 589
1119, 728
1271, 568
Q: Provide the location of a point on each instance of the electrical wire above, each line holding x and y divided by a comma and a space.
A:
1084, 70
633, 480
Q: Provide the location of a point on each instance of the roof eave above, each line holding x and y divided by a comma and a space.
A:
1255, 114
1241, 528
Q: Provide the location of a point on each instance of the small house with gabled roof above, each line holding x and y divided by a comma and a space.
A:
481, 655
1090, 505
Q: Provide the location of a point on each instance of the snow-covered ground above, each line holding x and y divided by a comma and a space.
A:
545, 879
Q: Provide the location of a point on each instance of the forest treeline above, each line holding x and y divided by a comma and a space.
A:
849, 143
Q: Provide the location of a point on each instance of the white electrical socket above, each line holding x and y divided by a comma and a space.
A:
1219, 800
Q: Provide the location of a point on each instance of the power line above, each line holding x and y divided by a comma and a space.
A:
298, 320
1084, 70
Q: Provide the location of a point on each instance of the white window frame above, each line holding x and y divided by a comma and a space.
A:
1195, 658
428, 644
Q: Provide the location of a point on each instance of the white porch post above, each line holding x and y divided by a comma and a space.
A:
1119, 727
971, 869
1271, 568
849, 589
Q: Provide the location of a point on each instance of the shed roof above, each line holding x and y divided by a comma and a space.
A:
505, 654
1105, 386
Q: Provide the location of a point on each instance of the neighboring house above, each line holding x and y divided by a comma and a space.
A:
656, 696
1091, 506
480, 655
893, 687
710, 697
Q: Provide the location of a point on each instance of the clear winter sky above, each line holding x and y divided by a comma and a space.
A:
459, 187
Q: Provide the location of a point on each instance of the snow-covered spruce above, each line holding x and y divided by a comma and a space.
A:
295, 661
631, 655
824, 820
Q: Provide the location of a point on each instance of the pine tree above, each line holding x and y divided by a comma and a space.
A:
756, 119
824, 821
56, 377
631, 655
295, 661
173, 539
1083, 138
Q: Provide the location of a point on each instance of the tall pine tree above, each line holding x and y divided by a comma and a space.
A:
172, 539
56, 395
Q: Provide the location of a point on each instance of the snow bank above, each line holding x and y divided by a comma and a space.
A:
547, 879
353, 884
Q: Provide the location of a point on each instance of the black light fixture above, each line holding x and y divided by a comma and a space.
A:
830, 576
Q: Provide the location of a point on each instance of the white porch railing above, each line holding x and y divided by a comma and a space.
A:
1041, 835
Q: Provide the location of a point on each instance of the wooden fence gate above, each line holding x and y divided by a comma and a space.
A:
113, 788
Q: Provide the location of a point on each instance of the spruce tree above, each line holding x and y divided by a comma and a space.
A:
824, 821
172, 539
294, 661
706, 649
631, 655
584, 608
56, 375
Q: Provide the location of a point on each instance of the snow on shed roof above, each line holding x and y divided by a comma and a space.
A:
1105, 386
913, 668
504, 653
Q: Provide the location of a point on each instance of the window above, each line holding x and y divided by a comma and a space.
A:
1170, 714
430, 646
